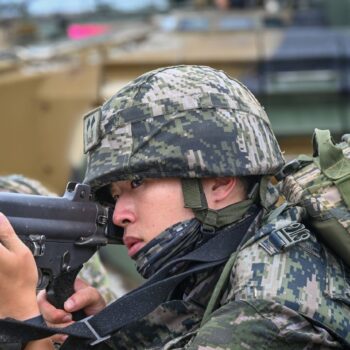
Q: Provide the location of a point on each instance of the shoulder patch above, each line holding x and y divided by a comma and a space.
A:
92, 129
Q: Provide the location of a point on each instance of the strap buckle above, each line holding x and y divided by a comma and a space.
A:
288, 169
284, 238
98, 338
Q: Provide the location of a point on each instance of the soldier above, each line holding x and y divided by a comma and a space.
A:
185, 154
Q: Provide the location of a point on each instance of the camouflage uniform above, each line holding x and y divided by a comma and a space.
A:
93, 271
193, 122
265, 304
272, 295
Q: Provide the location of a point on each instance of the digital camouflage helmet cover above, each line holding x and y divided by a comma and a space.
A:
182, 121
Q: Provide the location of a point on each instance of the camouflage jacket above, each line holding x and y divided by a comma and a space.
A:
273, 299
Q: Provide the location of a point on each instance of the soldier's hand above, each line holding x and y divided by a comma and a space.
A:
85, 298
18, 275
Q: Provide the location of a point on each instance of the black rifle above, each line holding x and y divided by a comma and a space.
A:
61, 232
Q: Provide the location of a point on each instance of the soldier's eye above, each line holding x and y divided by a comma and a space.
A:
136, 182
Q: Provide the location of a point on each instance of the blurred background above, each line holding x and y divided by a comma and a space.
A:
60, 59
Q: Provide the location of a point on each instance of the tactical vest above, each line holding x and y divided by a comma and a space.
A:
305, 277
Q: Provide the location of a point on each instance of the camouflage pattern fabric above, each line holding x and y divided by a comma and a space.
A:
21, 184
183, 121
176, 319
95, 274
325, 196
173, 243
260, 324
308, 184
93, 271
292, 299
305, 282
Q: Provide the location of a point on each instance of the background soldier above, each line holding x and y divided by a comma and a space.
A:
185, 153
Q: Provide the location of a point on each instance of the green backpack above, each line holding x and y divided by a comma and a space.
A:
321, 184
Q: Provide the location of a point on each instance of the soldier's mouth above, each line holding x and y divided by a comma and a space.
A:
133, 245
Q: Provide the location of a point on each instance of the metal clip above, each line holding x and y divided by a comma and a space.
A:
98, 338
282, 239
288, 169
102, 220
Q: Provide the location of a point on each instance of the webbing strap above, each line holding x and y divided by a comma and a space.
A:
194, 198
343, 186
138, 303
219, 288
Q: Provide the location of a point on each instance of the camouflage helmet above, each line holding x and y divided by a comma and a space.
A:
182, 121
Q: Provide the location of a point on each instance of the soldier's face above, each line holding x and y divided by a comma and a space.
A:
146, 209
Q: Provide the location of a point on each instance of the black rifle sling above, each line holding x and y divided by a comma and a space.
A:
139, 302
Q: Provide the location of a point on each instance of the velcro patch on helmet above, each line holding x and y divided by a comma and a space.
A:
92, 129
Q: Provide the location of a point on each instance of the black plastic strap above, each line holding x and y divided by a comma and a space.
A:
138, 303
36, 321
11, 346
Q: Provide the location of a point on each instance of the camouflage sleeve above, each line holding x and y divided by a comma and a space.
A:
259, 324
21, 184
96, 275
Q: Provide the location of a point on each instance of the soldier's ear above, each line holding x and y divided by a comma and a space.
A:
221, 191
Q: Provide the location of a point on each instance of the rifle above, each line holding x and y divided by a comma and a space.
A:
62, 234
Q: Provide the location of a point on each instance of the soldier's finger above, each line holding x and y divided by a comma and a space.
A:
80, 284
50, 313
8, 237
87, 299
59, 338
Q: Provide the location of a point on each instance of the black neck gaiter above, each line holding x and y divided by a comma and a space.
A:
175, 242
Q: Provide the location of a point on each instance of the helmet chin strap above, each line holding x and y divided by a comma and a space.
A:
194, 198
